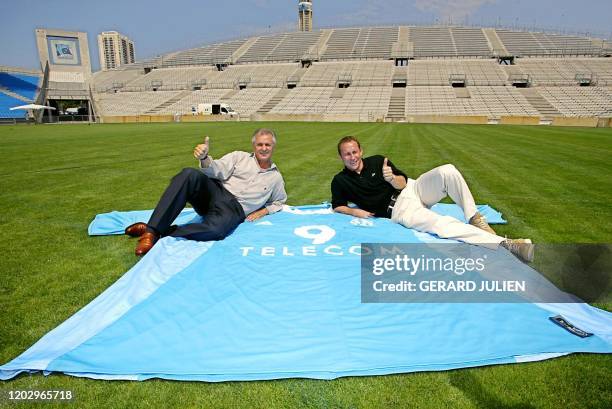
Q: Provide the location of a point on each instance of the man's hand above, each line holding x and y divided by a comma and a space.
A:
361, 213
257, 214
200, 152
353, 211
387, 172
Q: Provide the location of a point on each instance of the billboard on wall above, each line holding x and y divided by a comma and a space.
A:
64, 50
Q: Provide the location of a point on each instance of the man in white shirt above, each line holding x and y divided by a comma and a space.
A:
239, 186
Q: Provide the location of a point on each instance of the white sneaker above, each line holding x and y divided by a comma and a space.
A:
479, 221
522, 248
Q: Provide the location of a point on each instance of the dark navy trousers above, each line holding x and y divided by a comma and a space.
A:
222, 212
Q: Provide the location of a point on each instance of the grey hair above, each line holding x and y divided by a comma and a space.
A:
263, 131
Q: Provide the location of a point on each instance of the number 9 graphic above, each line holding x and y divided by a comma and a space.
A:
320, 235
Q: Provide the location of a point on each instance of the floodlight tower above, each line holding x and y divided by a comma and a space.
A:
305, 15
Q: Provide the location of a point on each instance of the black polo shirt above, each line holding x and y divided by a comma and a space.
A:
367, 189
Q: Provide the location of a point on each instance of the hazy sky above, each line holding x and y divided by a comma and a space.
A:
157, 26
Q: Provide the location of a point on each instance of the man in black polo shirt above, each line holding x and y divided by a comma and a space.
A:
380, 189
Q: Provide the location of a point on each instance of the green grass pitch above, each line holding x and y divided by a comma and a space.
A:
551, 184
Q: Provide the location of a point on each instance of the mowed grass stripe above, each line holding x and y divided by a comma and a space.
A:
472, 155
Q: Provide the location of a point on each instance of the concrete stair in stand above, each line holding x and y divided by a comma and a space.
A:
168, 103
546, 110
397, 105
272, 102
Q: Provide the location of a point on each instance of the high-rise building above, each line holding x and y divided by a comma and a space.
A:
305, 15
115, 50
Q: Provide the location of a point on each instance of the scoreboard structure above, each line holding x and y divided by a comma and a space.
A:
67, 53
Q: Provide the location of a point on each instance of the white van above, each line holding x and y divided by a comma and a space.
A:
213, 109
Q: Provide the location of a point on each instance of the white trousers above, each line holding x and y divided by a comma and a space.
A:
412, 207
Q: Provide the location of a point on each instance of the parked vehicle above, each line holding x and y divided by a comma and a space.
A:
213, 109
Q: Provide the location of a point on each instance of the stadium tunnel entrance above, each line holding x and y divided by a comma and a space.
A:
68, 110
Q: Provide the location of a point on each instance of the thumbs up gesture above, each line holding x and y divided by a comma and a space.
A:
387, 172
201, 151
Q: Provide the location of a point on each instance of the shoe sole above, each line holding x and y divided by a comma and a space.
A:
530, 252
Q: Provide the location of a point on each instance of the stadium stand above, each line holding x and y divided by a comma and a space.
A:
184, 106
495, 42
177, 78
169, 79
205, 55
340, 44
470, 42
432, 42
565, 71
306, 100
371, 101
131, 103
370, 73
254, 75
103, 81
326, 74
22, 84
274, 101
17, 87
285, 47
439, 72
7, 102
523, 43
578, 101
483, 100
539, 103
375, 42
248, 101
360, 43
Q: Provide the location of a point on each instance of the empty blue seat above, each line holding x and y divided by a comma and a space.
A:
6, 102
22, 84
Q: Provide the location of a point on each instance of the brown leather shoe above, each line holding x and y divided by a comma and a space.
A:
146, 243
136, 229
